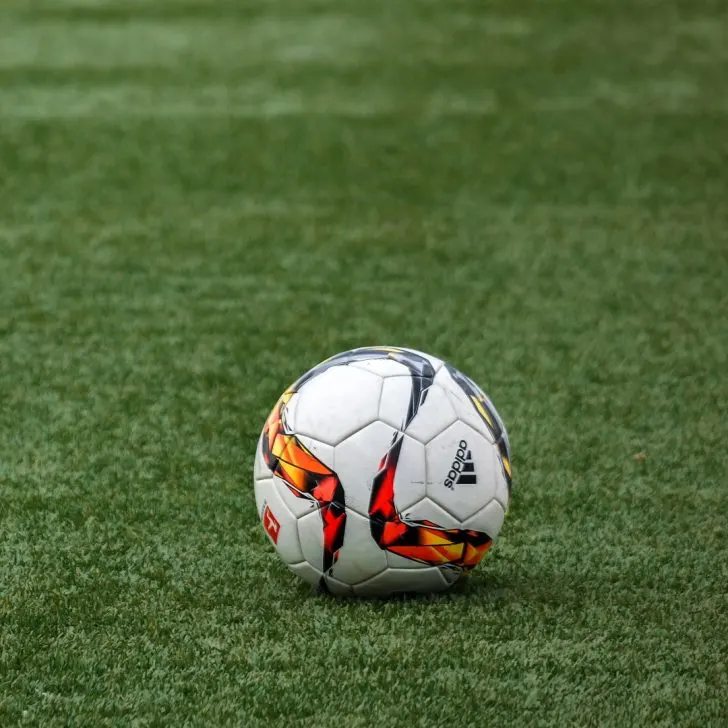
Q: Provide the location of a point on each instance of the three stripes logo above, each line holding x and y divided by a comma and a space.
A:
462, 470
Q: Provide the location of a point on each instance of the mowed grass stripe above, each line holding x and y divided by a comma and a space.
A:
630, 159
58, 45
343, 64
263, 100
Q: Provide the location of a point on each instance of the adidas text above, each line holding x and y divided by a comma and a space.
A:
462, 470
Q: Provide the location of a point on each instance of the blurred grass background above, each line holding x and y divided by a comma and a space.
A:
201, 199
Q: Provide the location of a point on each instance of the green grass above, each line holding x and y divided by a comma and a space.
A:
199, 200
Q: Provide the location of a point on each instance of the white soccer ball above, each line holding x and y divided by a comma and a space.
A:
382, 470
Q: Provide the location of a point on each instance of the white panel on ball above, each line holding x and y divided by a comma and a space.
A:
260, 469
320, 450
278, 521
356, 462
463, 405
436, 363
311, 537
488, 519
450, 574
502, 493
392, 581
396, 393
395, 561
411, 474
460, 464
359, 558
338, 588
297, 505
337, 403
306, 572
382, 367
289, 412
262, 488
426, 510
433, 416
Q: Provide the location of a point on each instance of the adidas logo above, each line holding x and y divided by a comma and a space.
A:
462, 470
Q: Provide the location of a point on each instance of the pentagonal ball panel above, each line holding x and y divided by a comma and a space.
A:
460, 470
337, 403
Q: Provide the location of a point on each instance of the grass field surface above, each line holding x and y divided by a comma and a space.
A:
200, 199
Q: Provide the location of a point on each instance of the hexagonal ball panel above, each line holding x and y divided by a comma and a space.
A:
424, 580
460, 470
337, 403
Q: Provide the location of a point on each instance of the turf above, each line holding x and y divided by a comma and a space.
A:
200, 199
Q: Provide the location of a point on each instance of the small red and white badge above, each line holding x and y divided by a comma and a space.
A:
270, 524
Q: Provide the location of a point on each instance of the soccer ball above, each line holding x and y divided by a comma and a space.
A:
382, 470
